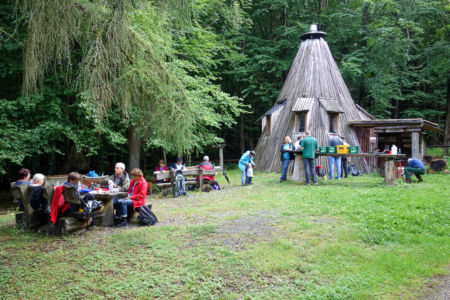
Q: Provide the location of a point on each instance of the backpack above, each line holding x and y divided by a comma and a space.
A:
353, 170
146, 216
320, 171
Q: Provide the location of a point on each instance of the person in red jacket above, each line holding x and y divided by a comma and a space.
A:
161, 168
206, 165
137, 193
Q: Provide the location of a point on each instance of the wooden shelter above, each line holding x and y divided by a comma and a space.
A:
314, 97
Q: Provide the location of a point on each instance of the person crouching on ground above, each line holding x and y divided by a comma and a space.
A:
120, 180
416, 167
286, 157
309, 147
246, 158
137, 193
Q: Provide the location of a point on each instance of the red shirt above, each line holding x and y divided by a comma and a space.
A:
206, 166
139, 192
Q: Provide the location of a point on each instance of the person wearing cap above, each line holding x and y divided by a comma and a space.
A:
335, 141
120, 178
37, 200
206, 165
246, 161
179, 167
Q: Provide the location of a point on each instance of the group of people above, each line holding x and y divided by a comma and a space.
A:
120, 181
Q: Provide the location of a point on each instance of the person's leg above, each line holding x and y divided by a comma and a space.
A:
284, 167
249, 180
118, 208
418, 172
344, 172
331, 161
243, 177
408, 174
313, 171
338, 167
307, 170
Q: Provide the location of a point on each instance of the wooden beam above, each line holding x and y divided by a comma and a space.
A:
415, 145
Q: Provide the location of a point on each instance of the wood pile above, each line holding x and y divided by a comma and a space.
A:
438, 165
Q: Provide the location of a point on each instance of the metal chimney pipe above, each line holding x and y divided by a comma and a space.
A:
313, 27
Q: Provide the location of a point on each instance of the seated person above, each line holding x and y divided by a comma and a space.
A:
137, 193
206, 165
120, 180
23, 178
37, 201
161, 168
72, 180
416, 167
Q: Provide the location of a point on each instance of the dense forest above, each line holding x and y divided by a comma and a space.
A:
85, 83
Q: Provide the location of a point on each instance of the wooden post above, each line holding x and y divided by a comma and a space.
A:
389, 172
299, 170
221, 155
108, 208
200, 179
165, 156
415, 145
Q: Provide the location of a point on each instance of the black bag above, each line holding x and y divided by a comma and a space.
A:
353, 170
146, 216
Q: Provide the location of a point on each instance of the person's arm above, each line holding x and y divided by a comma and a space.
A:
126, 184
140, 191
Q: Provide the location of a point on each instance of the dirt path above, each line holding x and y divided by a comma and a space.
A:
437, 289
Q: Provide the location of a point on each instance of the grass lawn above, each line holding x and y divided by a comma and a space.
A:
348, 239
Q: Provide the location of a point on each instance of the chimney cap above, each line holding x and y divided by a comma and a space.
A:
313, 34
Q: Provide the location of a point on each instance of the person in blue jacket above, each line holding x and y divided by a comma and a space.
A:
246, 158
416, 167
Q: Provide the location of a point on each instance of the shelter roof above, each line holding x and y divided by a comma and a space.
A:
303, 104
272, 110
386, 123
331, 105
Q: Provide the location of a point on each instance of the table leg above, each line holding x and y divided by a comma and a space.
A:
108, 218
389, 172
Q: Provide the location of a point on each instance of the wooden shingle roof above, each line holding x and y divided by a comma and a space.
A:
303, 104
331, 105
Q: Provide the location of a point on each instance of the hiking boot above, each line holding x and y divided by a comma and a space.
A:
316, 184
420, 178
408, 180
122, 223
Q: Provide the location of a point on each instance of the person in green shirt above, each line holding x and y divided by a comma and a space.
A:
309, 147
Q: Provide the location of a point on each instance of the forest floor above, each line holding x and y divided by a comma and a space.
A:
348, 239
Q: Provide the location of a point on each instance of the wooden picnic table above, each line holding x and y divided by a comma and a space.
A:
389, 165
189, 171
108, 206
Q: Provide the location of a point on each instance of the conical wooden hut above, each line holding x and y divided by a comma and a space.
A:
314, 97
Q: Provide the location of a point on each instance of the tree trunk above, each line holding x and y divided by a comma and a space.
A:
241, 134
447, 125
134, 148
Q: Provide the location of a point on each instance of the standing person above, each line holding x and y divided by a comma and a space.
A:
416, 167
335, 141
120, 180
244, 162
23, 178
286, 157
309, 146
249, 174
137, 193
344, 159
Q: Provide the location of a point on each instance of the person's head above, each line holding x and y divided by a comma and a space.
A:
38, 179
287, 140
74, 178
136, 173
252, 153
180, 160
162, 163
24, 174
307, 133
205, 158
119, 169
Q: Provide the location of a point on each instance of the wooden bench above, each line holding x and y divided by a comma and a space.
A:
190, 173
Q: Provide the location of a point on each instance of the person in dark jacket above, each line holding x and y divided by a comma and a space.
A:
37, 200
416, 167
137, 194
120, 178
285, 157
23, 178
72, 180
